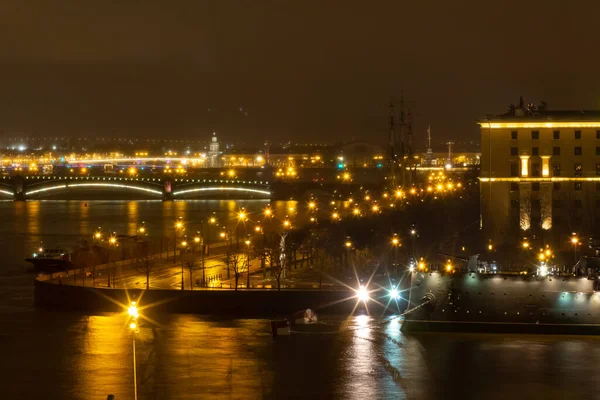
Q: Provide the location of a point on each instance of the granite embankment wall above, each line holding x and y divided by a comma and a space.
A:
214, 302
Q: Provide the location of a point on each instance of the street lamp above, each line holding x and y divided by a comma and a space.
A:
247, 262
268, 212
413, 235
133, 314
211, 221
356, 211
112, 242
395, 245
287, 224
575, 242
178, 226
183, 246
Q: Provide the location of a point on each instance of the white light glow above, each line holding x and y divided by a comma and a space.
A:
362, 294
6, 192
45, 189
221, 188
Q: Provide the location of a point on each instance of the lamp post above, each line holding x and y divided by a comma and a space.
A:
133, 325
112, 242
241, 218
248, 262
97, 236
260, 230
413, 235
575, 243
178, 226
348, 246
211, 221
199, 245
395, 245
183, 246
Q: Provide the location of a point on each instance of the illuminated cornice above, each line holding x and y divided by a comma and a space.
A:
221, 188
538, 125
552, 179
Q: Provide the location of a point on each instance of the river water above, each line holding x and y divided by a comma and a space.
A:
58, 355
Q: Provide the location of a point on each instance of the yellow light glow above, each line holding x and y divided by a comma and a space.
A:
421, 265
133, 310
490, 247
257, 228
142, 229
184, 244
356, 211
375, 208
413, 191
212, 220
222, 234
98, 235
335, 215
247, 242
132, 325
132, 170
398, 193
231, 173
268, 212
525, 245
311, 205
178, 224
395, 241
112, 240
286, 223
242, 216
524, 165
197, 239
539, 125
449, 267
348, 244
346, 176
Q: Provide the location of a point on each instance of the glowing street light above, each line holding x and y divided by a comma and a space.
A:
526, 245
375, 208
133, 310
575, 242
268, 212
363, 294
133, 314
348, 244
287, 224
356, 211
394, 294
312, 205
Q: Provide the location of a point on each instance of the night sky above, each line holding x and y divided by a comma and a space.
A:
304, 71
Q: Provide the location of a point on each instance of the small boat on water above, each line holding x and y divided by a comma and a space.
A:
51, 260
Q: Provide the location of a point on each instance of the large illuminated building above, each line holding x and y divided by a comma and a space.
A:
540, 175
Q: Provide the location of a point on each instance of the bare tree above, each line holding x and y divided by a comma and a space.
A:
277, 257
190, 264
236, 262
145, 259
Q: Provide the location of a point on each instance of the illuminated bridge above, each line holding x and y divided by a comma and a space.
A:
43, 187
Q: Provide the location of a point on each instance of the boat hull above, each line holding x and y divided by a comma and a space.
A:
503, 303
50, 264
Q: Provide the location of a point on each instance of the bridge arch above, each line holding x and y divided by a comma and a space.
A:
51, 185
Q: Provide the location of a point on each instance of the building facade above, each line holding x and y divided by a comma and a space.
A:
213, 152
540, 175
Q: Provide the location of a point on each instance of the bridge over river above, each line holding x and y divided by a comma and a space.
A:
64, 187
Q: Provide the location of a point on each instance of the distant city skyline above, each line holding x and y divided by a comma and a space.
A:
274, 71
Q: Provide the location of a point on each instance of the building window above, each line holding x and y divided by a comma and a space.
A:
556, 186
514, 169
535, 186
514, 186
577, 134
514, 135
578, 186
578, 169
555, 203
556, 135
535, 134
556, 151
577, 203
577, 150
514, 151
556, 169
535, 170
535, 151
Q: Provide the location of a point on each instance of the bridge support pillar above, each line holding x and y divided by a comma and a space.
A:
168, 190
167, 197
20, 196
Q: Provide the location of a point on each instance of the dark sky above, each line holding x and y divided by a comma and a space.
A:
301, 70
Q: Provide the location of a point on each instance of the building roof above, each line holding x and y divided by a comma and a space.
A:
543, 116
